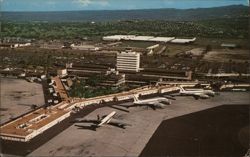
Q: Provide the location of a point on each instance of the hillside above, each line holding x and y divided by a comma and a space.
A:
214, 28
149, 14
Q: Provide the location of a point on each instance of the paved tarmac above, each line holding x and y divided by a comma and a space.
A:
221, 131
17, 96
113, 141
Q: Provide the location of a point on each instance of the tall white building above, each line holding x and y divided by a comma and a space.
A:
128, 61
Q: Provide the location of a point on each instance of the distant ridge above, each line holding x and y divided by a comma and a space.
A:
114, 15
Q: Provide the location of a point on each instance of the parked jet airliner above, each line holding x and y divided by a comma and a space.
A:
153, 103
106, 119
197, 93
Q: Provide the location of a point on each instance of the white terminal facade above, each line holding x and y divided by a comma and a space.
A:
149, 38
128, 61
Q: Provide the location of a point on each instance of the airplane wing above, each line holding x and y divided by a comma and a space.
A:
118, 124
107, 118
197, 94
151, 103
154, 105
159, 105
201, 95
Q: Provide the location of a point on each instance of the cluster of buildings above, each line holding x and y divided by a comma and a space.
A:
113, 78
125, 62
148, 38
15, 42
14, 45
85, 47
128, 70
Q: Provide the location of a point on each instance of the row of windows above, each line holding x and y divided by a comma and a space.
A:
125, 60
122, 66
128, 58
134, 69
127, 64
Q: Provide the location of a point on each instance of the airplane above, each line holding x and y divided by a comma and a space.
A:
106, 119
153, 103
197, 93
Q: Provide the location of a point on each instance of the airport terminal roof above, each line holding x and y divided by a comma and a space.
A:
183, 41
148, 38
60, 89
142, 38
32, 122
119, 37
162, 39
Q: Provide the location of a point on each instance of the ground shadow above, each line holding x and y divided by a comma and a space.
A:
221, 131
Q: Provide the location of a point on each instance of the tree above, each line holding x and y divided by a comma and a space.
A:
208, 48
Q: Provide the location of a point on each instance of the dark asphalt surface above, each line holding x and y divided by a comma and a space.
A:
220, 131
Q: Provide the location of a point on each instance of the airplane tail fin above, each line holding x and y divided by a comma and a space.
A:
181, 89
135, 98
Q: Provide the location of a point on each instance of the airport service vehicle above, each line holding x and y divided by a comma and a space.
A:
153, 103
106, 119
197, 93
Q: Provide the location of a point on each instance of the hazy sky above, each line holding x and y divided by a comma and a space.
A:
64, 5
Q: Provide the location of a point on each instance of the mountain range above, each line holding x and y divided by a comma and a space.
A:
115, 15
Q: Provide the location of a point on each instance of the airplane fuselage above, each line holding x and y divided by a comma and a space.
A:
209, 92
107, 118
148, 101
201, 93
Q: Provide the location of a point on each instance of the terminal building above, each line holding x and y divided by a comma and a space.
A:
128, 61
149, 38
113, 79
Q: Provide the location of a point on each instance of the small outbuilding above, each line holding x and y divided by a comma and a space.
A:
230, 46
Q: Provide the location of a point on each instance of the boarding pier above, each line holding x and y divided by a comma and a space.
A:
26, 127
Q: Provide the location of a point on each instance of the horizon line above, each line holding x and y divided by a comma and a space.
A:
129, 9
